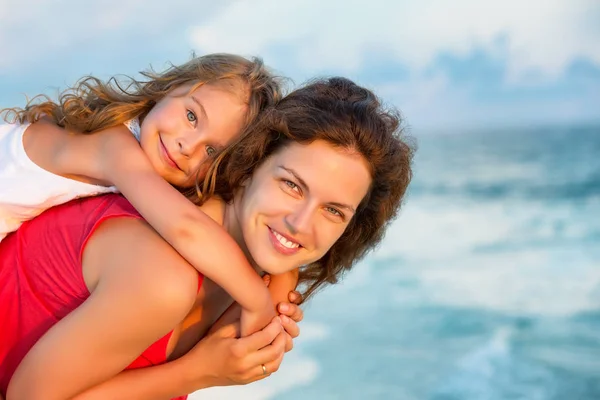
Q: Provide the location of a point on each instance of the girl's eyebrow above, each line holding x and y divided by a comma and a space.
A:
305, 187
200, 106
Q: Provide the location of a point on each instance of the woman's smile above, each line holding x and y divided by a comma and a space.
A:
283, 244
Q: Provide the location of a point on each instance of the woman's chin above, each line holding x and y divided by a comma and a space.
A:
273, 265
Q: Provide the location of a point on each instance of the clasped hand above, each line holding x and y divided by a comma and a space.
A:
238, 361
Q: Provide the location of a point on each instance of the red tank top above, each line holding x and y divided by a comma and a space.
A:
41, 279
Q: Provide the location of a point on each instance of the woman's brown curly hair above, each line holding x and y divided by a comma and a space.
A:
348, 116
91, 104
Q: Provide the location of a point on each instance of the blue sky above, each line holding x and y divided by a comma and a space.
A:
448, 65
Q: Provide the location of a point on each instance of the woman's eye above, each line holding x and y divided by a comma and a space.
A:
334, 212
191, 116
291, 185
210, 151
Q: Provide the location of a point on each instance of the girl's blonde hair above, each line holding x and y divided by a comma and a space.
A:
92, 104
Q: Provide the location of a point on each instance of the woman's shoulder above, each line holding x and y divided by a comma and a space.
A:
130, 250
91, 208
214, 207
67, 227
97, 206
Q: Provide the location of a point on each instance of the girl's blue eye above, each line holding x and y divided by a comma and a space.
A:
191, 116
211, 151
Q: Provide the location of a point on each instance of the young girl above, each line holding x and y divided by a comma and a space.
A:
179, 119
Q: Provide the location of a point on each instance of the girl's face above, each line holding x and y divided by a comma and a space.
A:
298, 203
186, 128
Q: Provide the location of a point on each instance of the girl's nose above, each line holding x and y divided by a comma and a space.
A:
189, 143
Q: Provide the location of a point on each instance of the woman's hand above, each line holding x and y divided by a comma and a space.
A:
234, 361
221, 359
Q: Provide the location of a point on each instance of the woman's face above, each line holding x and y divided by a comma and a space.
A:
186, 128
298, 203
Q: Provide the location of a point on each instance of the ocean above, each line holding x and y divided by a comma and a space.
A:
487, 286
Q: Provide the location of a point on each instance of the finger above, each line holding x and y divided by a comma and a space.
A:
259, 339
253, 375
258, 372
289, 343
264, 370
295, 297
291, 310
273, 366
269, 353
290, 326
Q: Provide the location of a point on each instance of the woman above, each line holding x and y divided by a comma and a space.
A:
313, 186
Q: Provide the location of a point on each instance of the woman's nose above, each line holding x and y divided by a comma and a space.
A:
300, 219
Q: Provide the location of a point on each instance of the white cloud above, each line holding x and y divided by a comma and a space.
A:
50, 44
544, 35
31, 30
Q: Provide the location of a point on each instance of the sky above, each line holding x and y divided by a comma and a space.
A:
447, 65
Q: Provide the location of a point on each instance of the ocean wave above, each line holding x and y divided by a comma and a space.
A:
494, 372
589, 188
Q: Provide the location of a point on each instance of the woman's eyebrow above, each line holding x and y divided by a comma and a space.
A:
295, 175
305, 187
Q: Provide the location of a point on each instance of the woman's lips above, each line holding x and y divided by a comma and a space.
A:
286, 249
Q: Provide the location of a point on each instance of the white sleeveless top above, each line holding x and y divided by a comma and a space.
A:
26, 190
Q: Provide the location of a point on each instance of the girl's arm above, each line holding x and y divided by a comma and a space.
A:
113, 156
280, 286
141, 288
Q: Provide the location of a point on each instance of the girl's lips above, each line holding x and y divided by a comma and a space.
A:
167, 156
279, 246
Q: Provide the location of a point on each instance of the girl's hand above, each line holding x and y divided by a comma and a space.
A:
290, 314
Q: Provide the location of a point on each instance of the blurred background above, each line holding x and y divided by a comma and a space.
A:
488, 284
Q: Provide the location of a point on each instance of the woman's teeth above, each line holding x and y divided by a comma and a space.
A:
287, 243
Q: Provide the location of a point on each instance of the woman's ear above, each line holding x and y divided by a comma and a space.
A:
239, 191
246, 182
